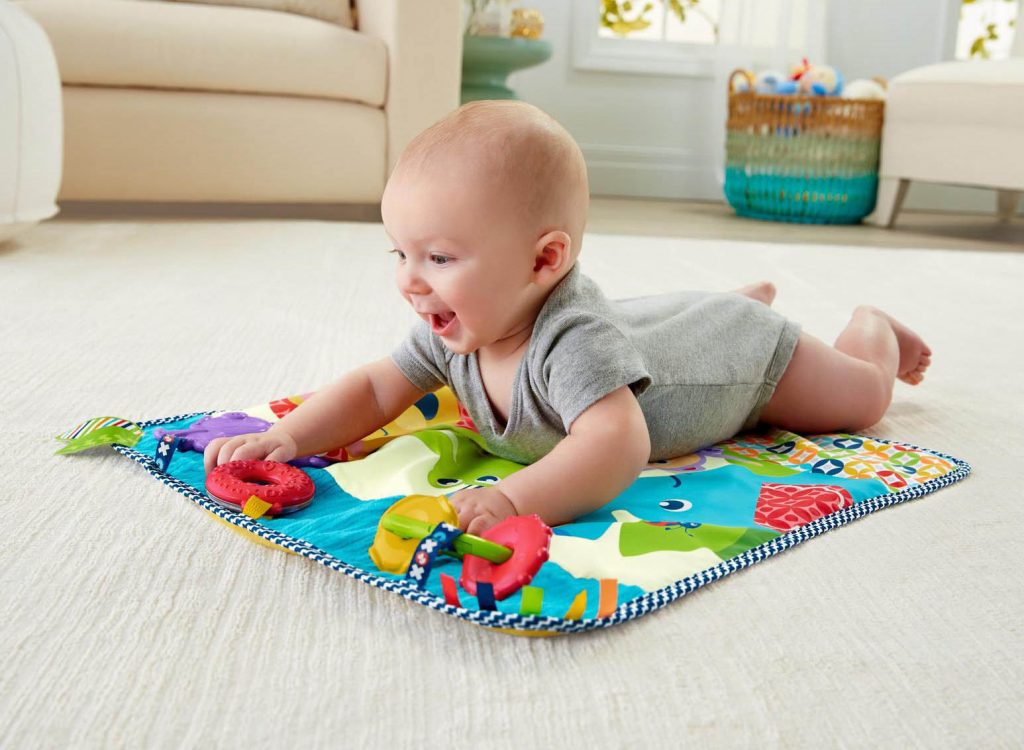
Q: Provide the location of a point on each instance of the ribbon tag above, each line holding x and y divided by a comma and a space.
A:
99, 431
255, 507
439, 540
165, 449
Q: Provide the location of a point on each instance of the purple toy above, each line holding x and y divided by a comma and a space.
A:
205, 430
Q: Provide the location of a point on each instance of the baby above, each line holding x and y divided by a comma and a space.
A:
486, 211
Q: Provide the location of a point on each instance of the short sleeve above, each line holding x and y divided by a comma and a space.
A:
587, 359
422, 359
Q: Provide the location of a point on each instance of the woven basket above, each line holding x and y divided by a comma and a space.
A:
809, 159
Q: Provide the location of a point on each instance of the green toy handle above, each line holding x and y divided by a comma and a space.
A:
465, 544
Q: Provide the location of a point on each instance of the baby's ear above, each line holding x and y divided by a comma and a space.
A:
553, 254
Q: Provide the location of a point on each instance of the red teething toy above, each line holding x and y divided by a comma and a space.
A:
528, 537
286, 488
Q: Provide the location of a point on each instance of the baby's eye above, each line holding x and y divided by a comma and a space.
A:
439, 260
399, 253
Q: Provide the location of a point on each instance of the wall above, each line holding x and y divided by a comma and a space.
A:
642, 135
661, 136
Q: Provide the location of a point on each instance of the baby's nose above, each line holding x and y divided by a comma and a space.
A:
411, 282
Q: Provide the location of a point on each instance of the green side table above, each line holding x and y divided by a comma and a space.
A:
488, 60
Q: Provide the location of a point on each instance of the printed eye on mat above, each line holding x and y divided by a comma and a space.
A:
681, 524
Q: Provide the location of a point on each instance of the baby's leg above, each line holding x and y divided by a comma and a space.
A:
762, 291
848, 386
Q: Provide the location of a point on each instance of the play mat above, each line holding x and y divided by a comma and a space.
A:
682, 524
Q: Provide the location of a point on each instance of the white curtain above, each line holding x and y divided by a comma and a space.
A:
760, 35
773, 32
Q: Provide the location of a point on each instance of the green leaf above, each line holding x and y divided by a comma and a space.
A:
614, 14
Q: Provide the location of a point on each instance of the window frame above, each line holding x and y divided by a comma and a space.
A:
592, 52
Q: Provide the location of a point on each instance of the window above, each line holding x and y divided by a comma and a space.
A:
986, 29
694, 38
679, 21
646, 36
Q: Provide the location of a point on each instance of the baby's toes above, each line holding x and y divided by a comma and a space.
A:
911, 377
907, 372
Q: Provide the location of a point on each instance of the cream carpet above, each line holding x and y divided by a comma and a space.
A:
130, 619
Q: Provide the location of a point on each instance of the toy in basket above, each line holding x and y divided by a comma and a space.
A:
801, 158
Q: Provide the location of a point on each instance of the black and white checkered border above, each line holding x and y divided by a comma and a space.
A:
629, 610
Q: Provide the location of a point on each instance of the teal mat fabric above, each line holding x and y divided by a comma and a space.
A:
680, 525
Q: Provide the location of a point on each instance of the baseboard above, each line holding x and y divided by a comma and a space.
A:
613, 172
650, 172
678, 173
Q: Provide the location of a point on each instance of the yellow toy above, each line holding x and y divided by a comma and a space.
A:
390, 552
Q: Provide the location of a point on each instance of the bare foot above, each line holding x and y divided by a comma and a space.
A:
762, 291
915, 355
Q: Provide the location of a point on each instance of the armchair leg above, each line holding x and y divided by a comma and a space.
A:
891, 192
1007, 203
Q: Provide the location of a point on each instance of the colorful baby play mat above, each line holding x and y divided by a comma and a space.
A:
682, 524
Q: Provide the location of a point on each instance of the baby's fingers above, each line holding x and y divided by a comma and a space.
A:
211, 453
227, 451
480, 524
281, 453
254, 449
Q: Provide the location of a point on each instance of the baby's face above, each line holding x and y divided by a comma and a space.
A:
464, 261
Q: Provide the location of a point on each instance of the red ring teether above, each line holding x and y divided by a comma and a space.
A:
286, 488
528, 537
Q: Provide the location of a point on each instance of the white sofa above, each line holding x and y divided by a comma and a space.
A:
184, 102
955, 122
31, 135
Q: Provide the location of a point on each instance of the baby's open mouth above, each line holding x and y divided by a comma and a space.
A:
442, 323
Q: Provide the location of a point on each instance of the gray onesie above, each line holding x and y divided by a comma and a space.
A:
702, 366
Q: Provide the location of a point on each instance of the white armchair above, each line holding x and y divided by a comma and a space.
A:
186, 102
955, 122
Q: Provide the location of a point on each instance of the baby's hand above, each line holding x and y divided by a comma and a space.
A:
273, 445
481, 508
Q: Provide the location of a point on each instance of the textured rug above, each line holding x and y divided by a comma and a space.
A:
130, 620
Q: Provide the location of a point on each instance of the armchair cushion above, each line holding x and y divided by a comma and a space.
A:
335, 11
959, 123
982, 93
172, 45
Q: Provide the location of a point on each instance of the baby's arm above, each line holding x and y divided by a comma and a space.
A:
606, 449
351, 408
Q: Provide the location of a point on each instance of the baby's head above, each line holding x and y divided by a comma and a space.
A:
486, 209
